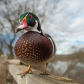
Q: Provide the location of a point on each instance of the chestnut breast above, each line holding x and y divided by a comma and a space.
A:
34, 49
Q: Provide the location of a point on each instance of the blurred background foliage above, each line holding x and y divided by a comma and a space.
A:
62, 19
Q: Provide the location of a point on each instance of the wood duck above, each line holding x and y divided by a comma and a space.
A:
34, 47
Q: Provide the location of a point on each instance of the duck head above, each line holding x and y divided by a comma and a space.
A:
29, 22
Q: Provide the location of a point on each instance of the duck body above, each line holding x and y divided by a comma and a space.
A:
34, 49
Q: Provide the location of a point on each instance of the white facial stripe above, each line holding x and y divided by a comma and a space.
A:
26, 15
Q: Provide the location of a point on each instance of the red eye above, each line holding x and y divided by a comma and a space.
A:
30, 16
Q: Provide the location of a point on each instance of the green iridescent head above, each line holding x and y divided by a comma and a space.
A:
30, 21
27, 16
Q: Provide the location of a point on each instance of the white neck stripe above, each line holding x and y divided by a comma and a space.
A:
33, 28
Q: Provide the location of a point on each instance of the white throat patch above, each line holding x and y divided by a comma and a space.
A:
33, 28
